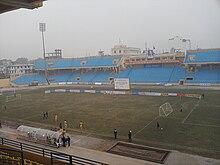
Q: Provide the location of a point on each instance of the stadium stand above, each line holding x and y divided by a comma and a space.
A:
201, 76
194, 70
27, 79
124, 73
102, 76
177, 74
78, 63
202, 56
151, 75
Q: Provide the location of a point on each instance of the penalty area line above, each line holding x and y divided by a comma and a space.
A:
76, 141
196, 105
145, 126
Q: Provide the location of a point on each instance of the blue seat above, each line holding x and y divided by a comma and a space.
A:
28, 79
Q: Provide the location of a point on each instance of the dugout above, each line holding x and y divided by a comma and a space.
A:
39, 135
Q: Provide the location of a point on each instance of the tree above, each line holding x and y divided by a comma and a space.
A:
21, 60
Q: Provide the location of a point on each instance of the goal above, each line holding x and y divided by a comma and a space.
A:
13, 97
165, 109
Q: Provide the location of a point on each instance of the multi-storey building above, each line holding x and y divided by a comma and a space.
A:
124, 50
19, 69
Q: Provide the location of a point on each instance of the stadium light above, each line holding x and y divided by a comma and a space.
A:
189, 43
42, 28
187, 40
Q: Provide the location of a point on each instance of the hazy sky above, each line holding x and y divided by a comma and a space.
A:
82, 27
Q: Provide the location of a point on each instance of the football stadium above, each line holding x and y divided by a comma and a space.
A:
167, 101
130, 107
191, 68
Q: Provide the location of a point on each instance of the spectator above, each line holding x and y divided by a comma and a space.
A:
64, 141
55, 118
158, 125
115, 133
46, 114
68, 141
65, 124
181, 109
61, 126
58, 143
129, 136
203, 96
80, 124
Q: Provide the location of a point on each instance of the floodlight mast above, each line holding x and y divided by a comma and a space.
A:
42, 27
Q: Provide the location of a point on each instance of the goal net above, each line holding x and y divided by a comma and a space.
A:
13, 97
165, 109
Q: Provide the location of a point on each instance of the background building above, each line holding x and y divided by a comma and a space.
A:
3, 68
19, 69
124, 50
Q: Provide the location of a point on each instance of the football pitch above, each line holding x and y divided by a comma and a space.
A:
194, 130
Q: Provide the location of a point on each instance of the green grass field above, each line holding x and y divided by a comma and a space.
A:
195, 130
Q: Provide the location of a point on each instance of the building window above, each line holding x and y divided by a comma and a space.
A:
115, 61
114, 51
49, 64
77, 78
119, 51
189, 78
111, 78
83, 62
191, 57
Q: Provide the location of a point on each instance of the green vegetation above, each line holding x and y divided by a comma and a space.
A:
199, 134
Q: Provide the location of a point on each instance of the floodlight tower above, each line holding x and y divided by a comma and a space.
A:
187, 40
177, 43
189, 43
42, 27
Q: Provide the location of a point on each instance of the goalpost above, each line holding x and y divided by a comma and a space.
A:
165, 109
13, 97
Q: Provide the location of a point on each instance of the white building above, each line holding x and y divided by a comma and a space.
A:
3, 67
124, 50
19, 69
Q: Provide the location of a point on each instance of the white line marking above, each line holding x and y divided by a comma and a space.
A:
196, 105
76, 141
150, 122
145, 126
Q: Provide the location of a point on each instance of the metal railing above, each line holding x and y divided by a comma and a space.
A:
56, 157
12, 157
61, 157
